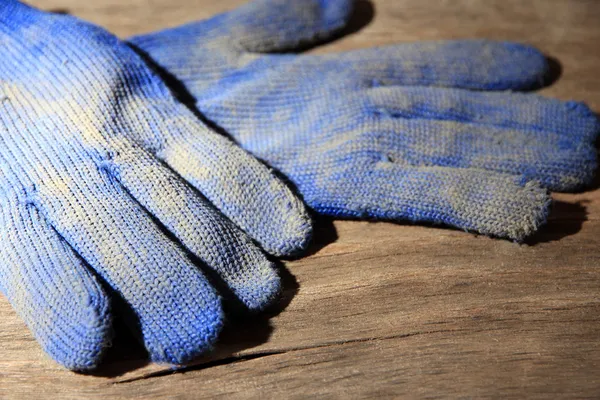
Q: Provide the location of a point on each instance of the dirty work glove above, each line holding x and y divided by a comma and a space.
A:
396, 132
104, 178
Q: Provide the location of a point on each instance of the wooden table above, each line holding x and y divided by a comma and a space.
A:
381, 309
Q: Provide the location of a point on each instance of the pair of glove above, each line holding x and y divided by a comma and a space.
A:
117, 187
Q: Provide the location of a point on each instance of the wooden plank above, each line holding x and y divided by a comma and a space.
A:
389, 309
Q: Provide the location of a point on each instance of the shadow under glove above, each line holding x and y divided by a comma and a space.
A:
97, 162
425, 131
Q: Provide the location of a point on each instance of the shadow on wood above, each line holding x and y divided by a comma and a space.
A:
565, 219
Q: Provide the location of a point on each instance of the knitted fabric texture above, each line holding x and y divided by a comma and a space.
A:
97, 162
423, 131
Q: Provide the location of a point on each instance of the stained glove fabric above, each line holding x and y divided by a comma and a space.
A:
426, 131
110, 189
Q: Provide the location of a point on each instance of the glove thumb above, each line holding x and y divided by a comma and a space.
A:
264, 26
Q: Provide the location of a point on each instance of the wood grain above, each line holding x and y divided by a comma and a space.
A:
380, 309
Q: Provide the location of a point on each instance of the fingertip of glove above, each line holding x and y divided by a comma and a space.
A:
80, 346
587, 117
538, 202
337, 13
293, 232
527, 65
507, 65
535, 63
179, 348
577, 170
261, 289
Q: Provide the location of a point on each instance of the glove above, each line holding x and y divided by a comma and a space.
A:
112, 190
425, 131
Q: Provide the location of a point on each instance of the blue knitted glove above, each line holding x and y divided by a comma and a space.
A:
97, 163
395, 132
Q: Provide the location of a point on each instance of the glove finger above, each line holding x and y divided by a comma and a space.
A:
199, 226
259, 26
240, 186
558, 161
476, 200
468, 64
528, 112
170, 304
52, 291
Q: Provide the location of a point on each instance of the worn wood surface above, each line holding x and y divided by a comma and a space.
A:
382, 309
